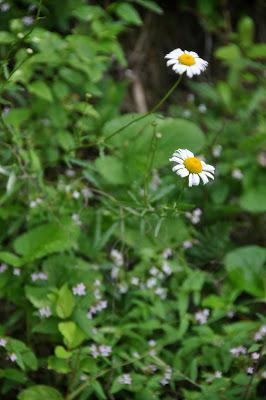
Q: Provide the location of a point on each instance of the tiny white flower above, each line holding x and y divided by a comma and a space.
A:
135, 280
94, 351
45, 312
76, 195
12, 357
16, 271
122, 287
167, 253
218, 374
105, 351
151, 343
33, 204
125, 379
190, 97
3, 268
236, 351
217, 150
202, 108
186, 61
70, 173
166, 268
261, 158
151, 282
202, 316
5, 7
237, 174
189, 166
186, 114
87, 193
263, 374
255, 356
187, 244
161, 292
250, 370
27, 20
3, 342
76, 219
117, 257
154, 271
29, 50
79, 290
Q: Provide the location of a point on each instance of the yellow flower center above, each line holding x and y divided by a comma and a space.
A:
193, 165
186, 59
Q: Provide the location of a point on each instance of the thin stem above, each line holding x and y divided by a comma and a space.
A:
149, 164
102, 140
155, 108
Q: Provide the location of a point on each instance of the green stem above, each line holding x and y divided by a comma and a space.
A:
155, 108
102, 140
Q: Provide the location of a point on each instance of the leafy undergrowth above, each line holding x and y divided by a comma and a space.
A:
117, 280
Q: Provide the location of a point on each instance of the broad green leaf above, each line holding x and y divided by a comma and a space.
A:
254, 199
73, 335
245, 267
10, 259
40, 392
37, 296
65, 302
40, 89
128, 13
61, 352
111, 169
46, 239
229, 54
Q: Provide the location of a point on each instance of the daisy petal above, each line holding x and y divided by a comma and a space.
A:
209, 174
204, 178
190, 180
176, 159
196, 179
183, 172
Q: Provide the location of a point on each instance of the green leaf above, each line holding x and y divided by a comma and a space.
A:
40, 89
246, 31
10, 259
254, 199
37, 296
65, 302
61, 352
150, 5
245, 269
257, 51
230, 53
46, 239
40, 392
72, 334
111, 169
128, 13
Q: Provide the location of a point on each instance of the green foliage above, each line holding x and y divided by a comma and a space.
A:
116, 279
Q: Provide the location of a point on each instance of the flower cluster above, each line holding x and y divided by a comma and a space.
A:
125, 379
45, 312
101, 350
259, 335
79, 290
194, 216
202, 316
167, 376
41, 276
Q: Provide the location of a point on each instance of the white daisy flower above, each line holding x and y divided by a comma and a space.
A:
186, 61
194, 168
